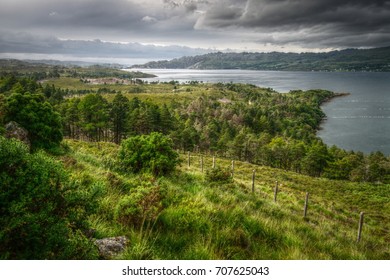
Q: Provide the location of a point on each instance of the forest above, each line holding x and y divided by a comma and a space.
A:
236, 121
107, 159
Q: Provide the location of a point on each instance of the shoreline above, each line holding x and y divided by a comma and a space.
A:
328, 100
336, 95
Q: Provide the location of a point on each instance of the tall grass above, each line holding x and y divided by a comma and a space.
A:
199, 219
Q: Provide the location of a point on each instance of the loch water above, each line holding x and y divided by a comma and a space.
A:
359, 121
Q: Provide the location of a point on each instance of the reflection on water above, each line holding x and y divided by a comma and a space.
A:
357, 122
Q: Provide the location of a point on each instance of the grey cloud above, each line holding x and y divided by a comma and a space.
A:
73, 13
281, 13
147, 21
27, 43
216, 23
190, 5
310, 13
105, 14
342, 18
171, 3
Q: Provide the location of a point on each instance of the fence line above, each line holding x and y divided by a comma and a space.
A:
276, 191
208, 162
360, 227
306, 205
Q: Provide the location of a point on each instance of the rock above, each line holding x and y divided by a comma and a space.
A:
110, 247
14, 130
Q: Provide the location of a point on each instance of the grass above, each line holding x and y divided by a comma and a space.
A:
197, 219
159, 93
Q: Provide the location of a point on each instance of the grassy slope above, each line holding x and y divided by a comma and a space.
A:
205, 221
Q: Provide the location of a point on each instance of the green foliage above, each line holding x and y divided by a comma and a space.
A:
183, 215
71, 117
152, 153
187, 217
218, 175
11, 84
316, 159
239, 121
37, 116
343, 167
119, 114
144, 117
94, 114
2, 113
143, 204
40, 213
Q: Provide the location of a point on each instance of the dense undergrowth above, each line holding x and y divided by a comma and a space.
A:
188, 215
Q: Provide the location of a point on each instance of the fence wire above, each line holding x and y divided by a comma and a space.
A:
242, 173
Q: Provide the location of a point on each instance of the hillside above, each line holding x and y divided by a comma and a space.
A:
201, 219
102, 159
377, 60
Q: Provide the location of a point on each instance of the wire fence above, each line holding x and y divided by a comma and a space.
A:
299, 201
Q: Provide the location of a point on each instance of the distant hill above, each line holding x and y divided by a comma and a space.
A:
375, 60
17, 64
44, 69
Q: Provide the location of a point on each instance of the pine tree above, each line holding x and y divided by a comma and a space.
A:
94, 112
118, 114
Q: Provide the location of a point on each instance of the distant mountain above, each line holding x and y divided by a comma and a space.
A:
376, 60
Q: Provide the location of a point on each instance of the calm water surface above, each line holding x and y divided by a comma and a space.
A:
360, 121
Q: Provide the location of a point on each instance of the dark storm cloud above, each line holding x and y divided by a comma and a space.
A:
307, 13
333, 21
298, 13
237, 24
161, 22
125, 16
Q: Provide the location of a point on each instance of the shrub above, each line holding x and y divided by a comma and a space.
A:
152, 153
142, 205
40, 213
218, 175
37, 116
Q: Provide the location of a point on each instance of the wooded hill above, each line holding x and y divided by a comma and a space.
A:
136, 161
376, 60
40, 70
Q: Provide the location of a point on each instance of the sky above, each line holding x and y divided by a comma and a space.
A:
163, 29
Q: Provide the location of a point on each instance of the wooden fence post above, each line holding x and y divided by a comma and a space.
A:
306, 205
276, 190
213, 162
360, 227
253, 180
189, 159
